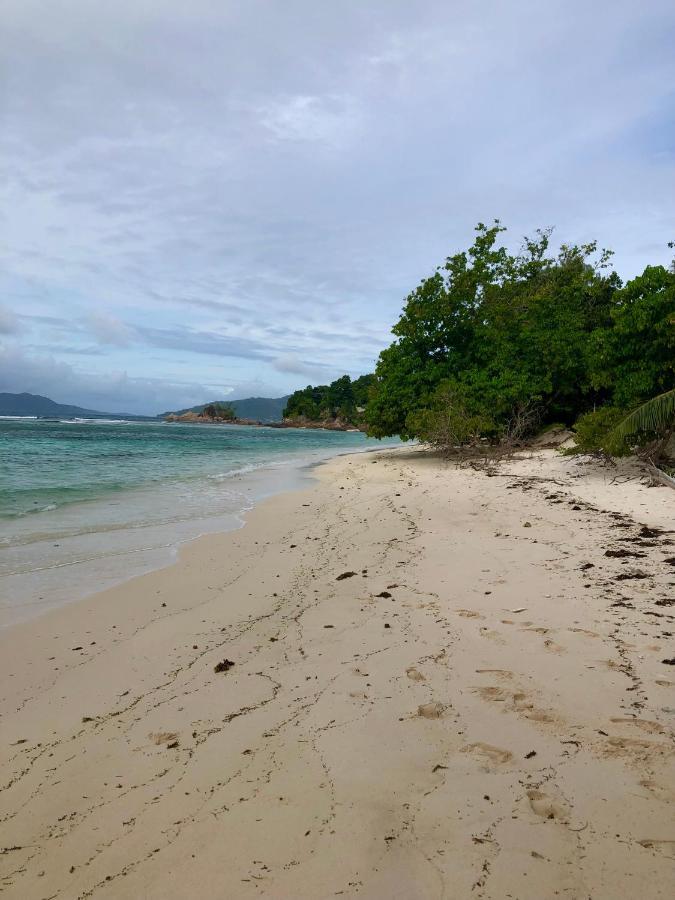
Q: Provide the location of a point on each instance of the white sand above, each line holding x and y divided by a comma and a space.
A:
500, 726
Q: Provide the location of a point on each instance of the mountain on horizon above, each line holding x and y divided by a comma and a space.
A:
26, 404
262, 409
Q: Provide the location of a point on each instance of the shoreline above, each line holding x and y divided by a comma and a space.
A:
442, 686
306, 479
85, 575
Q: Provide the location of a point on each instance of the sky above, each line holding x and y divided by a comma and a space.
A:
226, 199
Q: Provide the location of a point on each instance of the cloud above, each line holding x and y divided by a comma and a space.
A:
110, 330
294, 365
9, 322
217, 193
323, 120
210, 343
112, 391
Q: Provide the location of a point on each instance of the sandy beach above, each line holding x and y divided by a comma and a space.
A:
443, 685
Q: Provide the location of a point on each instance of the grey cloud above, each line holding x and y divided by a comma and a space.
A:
109, 392
110, 330
64, 350
56, 321
9, 321
294, 365
211, 344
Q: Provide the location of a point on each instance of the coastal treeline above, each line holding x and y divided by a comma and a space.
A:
343, 399
494, 342
495, 346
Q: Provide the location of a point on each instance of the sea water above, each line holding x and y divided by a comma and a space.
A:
85, 504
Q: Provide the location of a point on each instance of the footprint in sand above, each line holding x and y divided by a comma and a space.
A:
492, 635
523, 705
642, 724
661, 845
490, 754
494, 693
546, 807
163, 737
469, 614
414, 674
500, 673
538, 629
518, 701
430, 710
552, 647
662, 791
585, 631
639, 750
536, 715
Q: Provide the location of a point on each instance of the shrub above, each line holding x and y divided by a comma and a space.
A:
593, 432
450, 422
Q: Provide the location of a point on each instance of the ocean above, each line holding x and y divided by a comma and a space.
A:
85, 504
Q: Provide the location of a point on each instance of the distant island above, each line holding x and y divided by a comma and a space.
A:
338, 406
226, 414
26, 404
312, 407
211, 414
258, 409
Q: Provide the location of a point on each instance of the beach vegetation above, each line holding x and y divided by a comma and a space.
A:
495, 344
224, 411
342, 399
647, 428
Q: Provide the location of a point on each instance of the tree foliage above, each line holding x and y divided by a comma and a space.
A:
633, 358
651, 417
342, 399
224, 411
492, 333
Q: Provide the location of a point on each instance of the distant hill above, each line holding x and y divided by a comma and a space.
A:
262, 409
35, 405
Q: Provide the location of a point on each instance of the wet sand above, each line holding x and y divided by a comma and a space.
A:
443, 685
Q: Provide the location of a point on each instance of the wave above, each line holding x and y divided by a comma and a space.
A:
78, 421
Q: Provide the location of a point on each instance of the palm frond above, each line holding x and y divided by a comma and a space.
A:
654, 416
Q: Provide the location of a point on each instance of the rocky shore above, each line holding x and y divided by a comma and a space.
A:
194, 418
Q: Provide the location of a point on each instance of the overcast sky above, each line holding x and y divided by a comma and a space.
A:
213, 198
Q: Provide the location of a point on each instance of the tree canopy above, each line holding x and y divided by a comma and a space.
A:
218, 410
344, 399
500, 333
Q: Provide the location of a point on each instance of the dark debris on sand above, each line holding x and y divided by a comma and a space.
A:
223, 666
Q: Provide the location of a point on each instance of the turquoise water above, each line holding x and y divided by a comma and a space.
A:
84, 504
45, 465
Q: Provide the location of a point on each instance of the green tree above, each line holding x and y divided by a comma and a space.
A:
219, 411
504, 331
632, 358
342, 398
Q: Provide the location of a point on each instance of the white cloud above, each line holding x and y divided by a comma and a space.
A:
330, 120
110, 330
